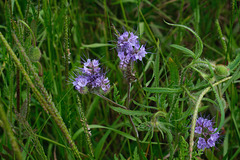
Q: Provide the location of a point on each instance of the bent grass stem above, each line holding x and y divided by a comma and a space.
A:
191, 142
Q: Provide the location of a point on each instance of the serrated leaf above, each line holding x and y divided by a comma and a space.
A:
130, 112
162, 90
184, 50
135, 154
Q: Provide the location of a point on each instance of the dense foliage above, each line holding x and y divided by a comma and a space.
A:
119, 79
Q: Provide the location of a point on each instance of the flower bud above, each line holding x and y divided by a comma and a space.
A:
34, 54
221, 70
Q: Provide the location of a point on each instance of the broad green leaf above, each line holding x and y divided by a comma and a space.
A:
184, 50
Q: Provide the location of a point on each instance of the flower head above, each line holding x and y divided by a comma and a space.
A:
91, 78
205, 131
129, 49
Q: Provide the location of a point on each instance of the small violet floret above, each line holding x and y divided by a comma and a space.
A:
91, 78
129, 49
205, 131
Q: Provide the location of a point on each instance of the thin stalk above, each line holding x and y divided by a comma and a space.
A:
66, 47
191, 142
45, 104
1, 124
18, 89
224, 45
87, 132
109, 100
11, 136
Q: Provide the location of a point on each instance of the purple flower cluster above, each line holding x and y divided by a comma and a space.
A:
204, 129
91, 78
129, 49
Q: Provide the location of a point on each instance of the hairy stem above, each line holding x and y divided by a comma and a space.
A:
87, 132
191, 142
48, 105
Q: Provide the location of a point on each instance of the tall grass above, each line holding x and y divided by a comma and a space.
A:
191, 70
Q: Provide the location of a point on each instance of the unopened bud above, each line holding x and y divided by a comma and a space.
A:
222, 70
34, 54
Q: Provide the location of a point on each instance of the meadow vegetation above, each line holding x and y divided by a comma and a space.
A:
119, 79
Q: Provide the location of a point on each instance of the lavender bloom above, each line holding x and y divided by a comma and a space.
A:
129, 49
91, 78
205, 131
201, 143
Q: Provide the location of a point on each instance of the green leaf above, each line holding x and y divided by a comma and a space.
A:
96, 45
130, 112
122, 157
200, 43
221, 106
162, 90
141, 28
234, 63
144, 106
184, 50
126, 135
100, 144
135, 154
174, 74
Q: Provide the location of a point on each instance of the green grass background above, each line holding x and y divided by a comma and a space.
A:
86, 28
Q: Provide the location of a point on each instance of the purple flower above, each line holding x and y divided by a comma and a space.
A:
128, 48
198, 130
205, 131
207, 123
211, 142
140, 53
201, 143
91, 78
103, 83
200, 121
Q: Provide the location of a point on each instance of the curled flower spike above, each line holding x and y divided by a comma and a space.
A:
91, 78
205, 131
129, 49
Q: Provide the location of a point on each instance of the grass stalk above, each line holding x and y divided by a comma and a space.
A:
8, 129
193, 124
85, 126
45, 104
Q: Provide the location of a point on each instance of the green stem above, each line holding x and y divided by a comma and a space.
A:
10, 133
191, 142
85, 126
